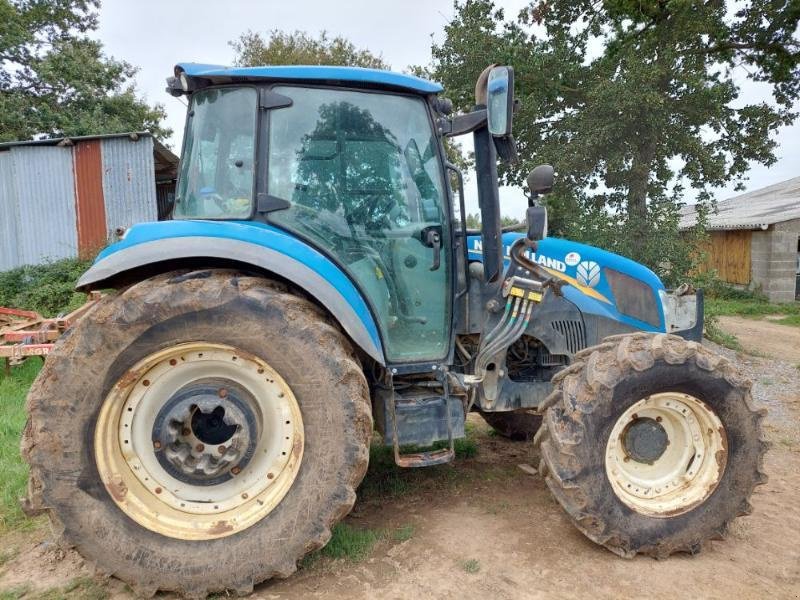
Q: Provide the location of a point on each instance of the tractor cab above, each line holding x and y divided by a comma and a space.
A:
350, 161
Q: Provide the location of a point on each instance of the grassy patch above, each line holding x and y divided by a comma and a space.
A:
82, 588
385, 479
350, 543
403, 533
471, 566
744, 304
47, 289
347, 543
15, 593
753, 307
13, 471
793, 320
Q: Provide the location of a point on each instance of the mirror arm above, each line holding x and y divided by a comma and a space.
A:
465, 123
506, 149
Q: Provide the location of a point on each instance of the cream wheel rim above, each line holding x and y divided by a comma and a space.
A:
199, 441
666, 454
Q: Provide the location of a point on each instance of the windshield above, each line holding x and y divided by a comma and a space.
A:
216, 173
362, 174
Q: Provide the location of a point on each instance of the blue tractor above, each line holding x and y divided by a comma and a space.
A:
207, 423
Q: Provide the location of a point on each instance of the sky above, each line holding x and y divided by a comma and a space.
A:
154, 36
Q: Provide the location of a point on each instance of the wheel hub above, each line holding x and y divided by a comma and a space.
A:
199, 441
666, 454
206, 433
645, 440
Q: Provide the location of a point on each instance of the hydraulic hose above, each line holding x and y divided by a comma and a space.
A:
489, 336
522, 323
499, 332
518, 324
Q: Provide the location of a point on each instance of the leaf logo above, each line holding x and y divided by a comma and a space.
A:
589, 273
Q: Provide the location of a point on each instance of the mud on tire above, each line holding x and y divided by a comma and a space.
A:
591, 395
253, 314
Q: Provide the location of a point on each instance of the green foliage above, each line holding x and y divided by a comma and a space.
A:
744, 304
56, 81
632, 102
463, 447
715, 333
724, 300
80, 588
385, 479
300, 48
13, 470
47, 288
474, 221
471, 566
403, 533
350, 543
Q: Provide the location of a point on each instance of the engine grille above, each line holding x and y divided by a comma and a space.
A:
574, 332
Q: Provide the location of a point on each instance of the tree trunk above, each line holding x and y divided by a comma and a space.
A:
637, 191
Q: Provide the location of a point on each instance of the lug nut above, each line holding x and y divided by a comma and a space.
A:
222, 392
236, 470
221, 449
158, 490
185, 431
157, 445
200, 447
658, 419
270, 475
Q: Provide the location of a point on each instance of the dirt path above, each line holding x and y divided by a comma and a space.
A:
483, 528
765, 338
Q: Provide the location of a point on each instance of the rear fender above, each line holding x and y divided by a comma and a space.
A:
262, 246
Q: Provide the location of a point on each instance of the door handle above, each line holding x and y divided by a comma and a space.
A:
434, 240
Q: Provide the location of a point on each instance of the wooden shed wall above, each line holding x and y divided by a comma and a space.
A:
729, 254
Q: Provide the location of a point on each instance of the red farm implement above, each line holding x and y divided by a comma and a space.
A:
25, 333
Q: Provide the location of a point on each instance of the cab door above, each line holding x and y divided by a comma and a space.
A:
364, 183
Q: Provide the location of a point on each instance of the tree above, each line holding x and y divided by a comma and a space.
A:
56, 81
299, 48
633, 101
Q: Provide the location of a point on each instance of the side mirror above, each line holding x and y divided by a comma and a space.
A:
540, 180
500, 100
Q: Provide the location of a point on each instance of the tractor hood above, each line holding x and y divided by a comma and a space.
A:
600, 282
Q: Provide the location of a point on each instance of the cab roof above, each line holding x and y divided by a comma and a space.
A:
315, 73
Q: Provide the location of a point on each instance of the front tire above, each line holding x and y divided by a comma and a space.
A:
228, 384
651, 444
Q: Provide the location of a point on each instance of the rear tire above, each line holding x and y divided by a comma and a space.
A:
643, 493
262, 322
518, 425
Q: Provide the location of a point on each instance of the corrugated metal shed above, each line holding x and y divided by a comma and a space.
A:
62, 198
754, 210
89, 201
129, 184
8, 213
37, 201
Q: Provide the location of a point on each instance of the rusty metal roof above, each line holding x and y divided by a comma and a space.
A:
754, 210
166, 160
